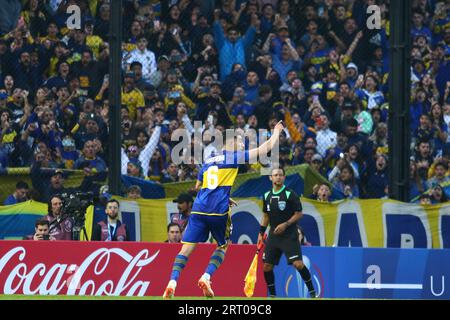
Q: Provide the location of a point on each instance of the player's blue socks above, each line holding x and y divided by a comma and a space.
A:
178, 265
215, 261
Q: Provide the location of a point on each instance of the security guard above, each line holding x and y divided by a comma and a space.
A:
282, 209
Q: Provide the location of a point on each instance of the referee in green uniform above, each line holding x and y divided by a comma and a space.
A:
282, 209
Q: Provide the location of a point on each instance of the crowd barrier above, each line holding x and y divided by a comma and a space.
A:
143, 269
351, 223
369, 273
116, 269
301, 178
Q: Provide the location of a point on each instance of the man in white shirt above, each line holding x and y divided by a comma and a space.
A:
325, 137
143, 56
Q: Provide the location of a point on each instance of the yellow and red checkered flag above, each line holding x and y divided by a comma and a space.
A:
250, 278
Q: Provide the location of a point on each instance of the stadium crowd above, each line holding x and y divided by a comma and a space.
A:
227, 63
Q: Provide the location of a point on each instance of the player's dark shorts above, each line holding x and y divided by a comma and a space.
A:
199, 226
276, 246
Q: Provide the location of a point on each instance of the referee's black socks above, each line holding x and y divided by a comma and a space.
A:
306, 276
270, 281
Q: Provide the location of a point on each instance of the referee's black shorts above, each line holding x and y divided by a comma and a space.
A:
277, 245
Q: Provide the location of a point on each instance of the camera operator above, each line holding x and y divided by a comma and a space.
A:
111, 229
41, 231
60, 227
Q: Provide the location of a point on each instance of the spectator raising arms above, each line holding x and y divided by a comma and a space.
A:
228, 64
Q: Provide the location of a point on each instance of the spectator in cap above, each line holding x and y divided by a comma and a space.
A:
184, 204
317, 164
158, 76
134, 169
46, 181
352, 74
345, 112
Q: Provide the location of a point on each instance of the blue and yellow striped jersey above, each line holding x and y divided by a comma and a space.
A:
217, 176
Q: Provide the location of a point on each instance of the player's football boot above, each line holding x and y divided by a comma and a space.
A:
170, 290
205, 285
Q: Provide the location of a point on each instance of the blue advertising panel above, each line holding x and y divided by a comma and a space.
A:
369, 273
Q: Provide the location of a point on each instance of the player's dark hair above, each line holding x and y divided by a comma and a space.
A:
279, 168
22, 185
41, 222
173, 224
49, 209
113, 201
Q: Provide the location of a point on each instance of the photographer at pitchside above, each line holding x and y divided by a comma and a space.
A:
60, 227
41, 231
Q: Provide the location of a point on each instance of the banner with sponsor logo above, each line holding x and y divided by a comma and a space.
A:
117, 269
369, 273
356, 223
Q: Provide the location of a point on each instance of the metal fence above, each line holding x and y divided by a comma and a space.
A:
314, 64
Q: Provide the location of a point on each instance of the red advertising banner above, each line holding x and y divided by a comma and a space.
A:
117, 269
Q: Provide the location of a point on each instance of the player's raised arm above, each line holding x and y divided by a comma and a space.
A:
268, 145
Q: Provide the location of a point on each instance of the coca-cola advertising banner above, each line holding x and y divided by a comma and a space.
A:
117, 269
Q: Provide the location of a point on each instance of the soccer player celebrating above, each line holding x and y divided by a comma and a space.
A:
282, 209
211, 208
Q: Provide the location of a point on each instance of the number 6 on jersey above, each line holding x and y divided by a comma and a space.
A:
212, 177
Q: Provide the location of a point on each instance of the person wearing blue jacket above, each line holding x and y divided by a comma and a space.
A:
232, 47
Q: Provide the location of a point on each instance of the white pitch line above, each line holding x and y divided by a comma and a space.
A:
410, 286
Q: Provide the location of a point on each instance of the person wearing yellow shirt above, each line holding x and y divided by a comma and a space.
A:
132, 97
93, 41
